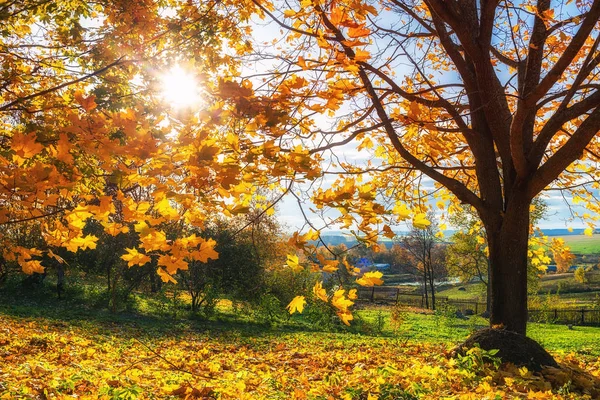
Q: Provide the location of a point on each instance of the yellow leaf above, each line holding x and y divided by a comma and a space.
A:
142, 228
172, 263
359, 31
420, 221
289, 13
83, 243
88, 103
588, 231
113, 228
401, 211
133, 257
302, 63
414, 111
340, 302
320, 292
370, 279
352, 295
31, 266
206, 251
164, 208
292, 262
346, 317
297, 304
361, 55
165, 276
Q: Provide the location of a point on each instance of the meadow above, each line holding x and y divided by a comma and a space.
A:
582, 244
61, 349
559, 290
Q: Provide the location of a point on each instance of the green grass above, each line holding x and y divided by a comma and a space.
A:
566, 290
582, 244
444, 327
473, 291
149, 317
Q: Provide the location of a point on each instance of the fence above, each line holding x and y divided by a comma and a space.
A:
393, 295
573, 316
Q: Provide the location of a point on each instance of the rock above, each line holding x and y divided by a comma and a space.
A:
462, 289
485, 314
468, 311
512, 347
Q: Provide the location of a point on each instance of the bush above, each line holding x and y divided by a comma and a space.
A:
268, 309
580, 275
285, 284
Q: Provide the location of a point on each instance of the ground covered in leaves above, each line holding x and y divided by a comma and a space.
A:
54, 359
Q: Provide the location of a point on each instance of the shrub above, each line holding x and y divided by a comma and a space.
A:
580, 275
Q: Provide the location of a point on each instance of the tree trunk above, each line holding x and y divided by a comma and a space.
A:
432, 285
488, 288
425, 288
508, 245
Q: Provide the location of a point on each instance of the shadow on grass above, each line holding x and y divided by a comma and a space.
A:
79, 309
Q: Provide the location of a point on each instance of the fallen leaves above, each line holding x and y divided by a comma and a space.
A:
55, 360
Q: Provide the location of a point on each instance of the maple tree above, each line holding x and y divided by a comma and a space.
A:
84, 134
493, 101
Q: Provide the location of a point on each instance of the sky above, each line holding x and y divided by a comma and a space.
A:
558, 215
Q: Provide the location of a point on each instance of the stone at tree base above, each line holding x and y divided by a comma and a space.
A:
512, 347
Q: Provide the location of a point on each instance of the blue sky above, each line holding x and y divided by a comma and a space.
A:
558, 214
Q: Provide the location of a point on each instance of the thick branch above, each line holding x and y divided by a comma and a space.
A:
556, 122
521, 129
568, 55
567, 154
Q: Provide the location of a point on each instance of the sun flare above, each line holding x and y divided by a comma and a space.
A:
179, 88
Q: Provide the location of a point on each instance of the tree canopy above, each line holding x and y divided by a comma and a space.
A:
84, 133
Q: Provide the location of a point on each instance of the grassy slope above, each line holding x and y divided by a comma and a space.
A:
570, 292
582, 244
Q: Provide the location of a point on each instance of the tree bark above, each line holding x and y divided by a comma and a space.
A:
488, 288
431, 282
508, 245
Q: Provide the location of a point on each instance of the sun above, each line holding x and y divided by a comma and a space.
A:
179, 88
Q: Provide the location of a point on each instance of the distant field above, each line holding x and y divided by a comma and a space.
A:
566, 290
582, 244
